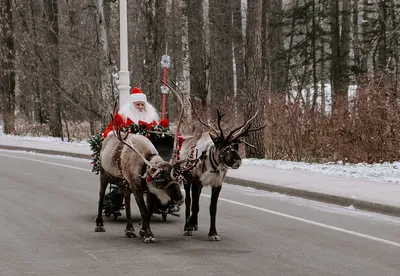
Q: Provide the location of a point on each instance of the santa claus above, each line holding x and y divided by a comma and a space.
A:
137, 109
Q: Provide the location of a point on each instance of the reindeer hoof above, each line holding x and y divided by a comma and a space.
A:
191, 228
188, 233
214, 238
141, 233
149, 240
130, 234
99, 228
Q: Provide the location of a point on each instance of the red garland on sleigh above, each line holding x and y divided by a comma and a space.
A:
150, 130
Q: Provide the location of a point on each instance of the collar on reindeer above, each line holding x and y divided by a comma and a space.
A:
147, 176
149, 179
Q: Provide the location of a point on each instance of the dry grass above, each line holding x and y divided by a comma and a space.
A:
366, 132
72, 131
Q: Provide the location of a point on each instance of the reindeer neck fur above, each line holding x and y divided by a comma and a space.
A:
213, 170
209, 170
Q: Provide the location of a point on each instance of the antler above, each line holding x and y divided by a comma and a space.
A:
250, 145
128, 143
180, 98
202, 122
243, 130
219, 121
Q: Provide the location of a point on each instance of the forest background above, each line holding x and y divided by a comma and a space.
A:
323, 74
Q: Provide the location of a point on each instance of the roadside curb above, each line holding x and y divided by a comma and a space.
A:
326, 198
316, 196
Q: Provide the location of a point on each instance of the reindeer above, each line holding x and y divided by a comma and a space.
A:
218, 153
130, 157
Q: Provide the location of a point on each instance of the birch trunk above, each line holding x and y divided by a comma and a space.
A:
105, 61
184, 80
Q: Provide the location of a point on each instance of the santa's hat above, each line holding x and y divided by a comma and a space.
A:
137, 95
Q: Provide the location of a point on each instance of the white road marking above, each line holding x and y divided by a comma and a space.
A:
311, 222
369, 237
46, 162
93, 256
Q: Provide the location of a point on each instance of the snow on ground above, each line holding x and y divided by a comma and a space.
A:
388, 172
47, 139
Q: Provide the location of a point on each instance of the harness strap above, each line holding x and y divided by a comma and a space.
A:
144, 170
119, 151
214, 163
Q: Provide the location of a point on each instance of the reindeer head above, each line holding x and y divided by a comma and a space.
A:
163, 181
227, 147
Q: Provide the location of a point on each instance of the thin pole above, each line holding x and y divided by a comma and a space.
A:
164, 95
165, 62
124, 83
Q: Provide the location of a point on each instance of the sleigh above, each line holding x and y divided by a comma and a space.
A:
163, 140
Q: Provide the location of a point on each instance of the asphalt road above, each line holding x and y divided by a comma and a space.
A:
48, 206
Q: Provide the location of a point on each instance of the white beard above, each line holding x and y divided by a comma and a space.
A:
131, 112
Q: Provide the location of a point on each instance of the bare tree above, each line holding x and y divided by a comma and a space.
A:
197, 51
106, 63
381, 50
275, 53
153, 20
394, 60
345, 40
254, 81
239, 51
340, 46
221, 54
7, 71
53, 86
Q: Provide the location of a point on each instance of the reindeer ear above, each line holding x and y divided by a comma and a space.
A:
213, 136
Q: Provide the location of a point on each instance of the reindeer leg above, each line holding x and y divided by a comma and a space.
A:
188, 202
103, 186
196, 192
145, 232
151, 204
192, 222
129, 230
212, 234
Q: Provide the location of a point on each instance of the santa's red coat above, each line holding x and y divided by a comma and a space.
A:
119, 122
